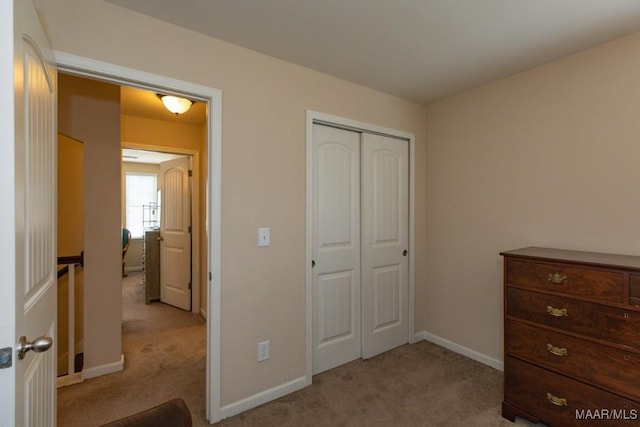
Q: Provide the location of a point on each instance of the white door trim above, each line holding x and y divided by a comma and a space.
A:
7, 213
317, 117
90, 68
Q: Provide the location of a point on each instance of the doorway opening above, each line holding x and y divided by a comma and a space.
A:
160, 203
210, 189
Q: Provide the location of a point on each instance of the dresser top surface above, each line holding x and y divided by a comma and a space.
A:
591, 258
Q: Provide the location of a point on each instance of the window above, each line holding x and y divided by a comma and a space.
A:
141, 198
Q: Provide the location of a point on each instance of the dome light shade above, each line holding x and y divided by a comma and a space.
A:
175, 104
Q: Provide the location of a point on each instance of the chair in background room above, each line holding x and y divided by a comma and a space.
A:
126, 240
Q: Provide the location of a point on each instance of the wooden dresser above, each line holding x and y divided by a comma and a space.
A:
571, 337
151, 262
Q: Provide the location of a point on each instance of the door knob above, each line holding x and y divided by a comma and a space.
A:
404, 253
161, 238
39, 345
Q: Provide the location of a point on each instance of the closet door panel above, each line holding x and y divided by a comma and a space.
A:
336, 247
385, 240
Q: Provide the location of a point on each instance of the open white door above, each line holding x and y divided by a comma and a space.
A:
28, 217
175, 234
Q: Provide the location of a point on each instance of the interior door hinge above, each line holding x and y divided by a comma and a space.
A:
190, 172
6, 357
189, 229
189, 285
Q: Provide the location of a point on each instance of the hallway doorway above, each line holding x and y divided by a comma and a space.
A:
159, 207
211, 137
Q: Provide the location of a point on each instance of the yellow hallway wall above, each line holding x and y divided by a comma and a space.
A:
263, 170
70, 242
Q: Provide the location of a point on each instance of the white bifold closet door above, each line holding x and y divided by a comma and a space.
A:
360, 237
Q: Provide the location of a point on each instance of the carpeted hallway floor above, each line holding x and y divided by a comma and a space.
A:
164, 357
164, 348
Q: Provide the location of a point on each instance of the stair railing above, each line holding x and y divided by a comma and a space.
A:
69, 264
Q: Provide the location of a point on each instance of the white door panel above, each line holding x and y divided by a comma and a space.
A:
336, 248
32, 223
175, 247
385, 237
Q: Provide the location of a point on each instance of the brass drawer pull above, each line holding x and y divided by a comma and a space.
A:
558, 351
557, 278
558, 401
557, 312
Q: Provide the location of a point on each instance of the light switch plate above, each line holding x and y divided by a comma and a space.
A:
263, 351
264, 236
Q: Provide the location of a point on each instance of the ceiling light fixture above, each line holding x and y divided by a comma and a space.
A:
175, 104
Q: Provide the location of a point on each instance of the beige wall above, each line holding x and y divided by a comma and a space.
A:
547, 158
89, 111
263, 174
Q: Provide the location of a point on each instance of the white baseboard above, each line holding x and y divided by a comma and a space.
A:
134, 268
465, 351
203, 313
69, 379
263, 397
98, 371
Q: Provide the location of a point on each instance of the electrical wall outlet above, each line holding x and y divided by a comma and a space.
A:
263, 351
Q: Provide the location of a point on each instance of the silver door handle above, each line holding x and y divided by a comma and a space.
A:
39, 345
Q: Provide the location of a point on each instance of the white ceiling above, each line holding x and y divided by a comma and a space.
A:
421, 50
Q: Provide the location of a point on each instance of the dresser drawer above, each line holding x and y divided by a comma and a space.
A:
576, 281
614, 369
594, 320
559, 401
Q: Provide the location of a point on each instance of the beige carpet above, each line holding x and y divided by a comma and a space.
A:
164, 353
414, 385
